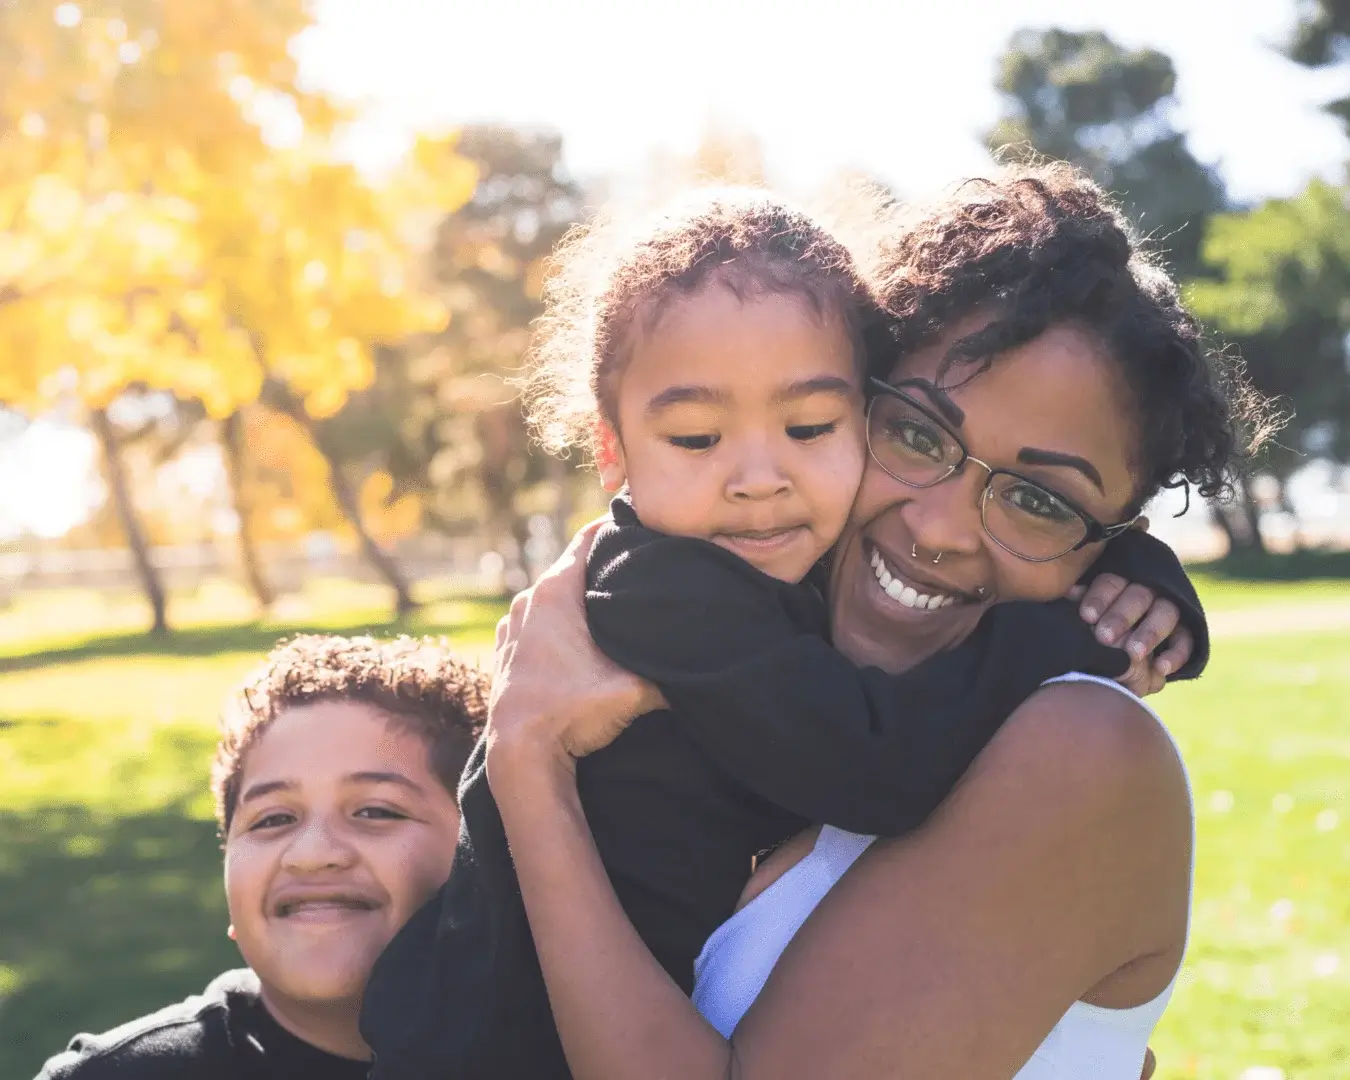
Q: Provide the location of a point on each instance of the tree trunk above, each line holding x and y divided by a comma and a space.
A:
1252, 513
1286, 504
131, 526
508, 532
1240, 521
350, 506
232, 445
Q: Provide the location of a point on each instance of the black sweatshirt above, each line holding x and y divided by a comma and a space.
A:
770, 729
224, 1033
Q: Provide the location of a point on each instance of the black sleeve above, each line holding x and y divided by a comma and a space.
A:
1138, 557
767, 697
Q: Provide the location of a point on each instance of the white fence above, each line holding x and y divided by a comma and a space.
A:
285, 566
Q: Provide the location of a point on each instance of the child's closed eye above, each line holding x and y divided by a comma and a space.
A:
381, 813
807, 432
694, 442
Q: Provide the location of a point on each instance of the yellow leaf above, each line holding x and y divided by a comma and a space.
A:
325, 401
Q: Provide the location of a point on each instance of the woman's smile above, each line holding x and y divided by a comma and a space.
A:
912, 590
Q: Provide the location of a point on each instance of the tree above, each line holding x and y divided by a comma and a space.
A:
442, 408
234, 452
112, 122
1281, 293
153, 239
1322, 39
1081, 97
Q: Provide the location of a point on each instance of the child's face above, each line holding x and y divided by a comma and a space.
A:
741, 422
342, 831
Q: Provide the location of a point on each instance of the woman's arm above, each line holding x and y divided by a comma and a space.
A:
951, 952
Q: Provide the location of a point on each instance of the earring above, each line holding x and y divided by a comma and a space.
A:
914, 552
937, 558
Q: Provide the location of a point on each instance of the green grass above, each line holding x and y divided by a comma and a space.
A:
1305, 577
110, 884
110, 895
1267, 975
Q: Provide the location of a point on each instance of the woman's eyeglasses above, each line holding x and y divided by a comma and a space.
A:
1032, 522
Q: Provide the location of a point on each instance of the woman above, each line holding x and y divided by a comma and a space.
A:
1041, 382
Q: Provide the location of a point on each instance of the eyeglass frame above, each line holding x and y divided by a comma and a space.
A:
1095, 530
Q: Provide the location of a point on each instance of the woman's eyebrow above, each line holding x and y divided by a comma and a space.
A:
951, 412
1030, 455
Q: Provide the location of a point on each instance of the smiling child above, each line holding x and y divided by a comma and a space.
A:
335, 783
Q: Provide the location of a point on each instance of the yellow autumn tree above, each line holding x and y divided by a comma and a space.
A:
151, 238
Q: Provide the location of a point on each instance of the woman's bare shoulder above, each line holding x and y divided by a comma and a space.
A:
1105, 739
1059, 863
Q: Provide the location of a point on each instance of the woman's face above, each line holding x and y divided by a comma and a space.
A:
1054, 410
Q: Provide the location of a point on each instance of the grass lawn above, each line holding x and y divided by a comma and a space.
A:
1267, 976
110, 895
110, 890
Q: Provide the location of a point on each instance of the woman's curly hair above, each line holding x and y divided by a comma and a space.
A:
613, 277
1042, 244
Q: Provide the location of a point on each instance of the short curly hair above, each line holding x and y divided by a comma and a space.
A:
617, 274
1039, 244
417, 682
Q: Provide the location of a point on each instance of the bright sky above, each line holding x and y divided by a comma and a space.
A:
899, 89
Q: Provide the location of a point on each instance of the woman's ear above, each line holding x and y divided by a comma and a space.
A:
609, 457
229, 933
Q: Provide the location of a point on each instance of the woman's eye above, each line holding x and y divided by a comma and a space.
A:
694, 442
381, 813
272, 821
807, 432
1038, 502
918, 438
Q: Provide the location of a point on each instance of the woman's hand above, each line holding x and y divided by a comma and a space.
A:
553, 692
1133, 617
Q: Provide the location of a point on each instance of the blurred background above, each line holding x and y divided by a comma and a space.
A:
267, 269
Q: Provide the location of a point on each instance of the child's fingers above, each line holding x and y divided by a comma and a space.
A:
1178, 650
1162, 618
1124, 613
1077, 592
1100, 595
1141, 679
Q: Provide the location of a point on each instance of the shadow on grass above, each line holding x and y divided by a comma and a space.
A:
1311, 565
102, 920
244, 637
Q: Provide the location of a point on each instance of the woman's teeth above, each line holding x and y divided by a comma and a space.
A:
903, 594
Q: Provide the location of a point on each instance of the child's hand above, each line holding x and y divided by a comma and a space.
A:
1133, 618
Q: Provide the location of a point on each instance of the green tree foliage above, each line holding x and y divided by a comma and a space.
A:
1282, 294
1081, 97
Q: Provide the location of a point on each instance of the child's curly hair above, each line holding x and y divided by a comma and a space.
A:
1041, 244
415, 681
611, 278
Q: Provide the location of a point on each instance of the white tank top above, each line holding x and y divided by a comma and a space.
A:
1088, 1041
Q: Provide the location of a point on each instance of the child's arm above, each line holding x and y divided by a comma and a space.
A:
748, 673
